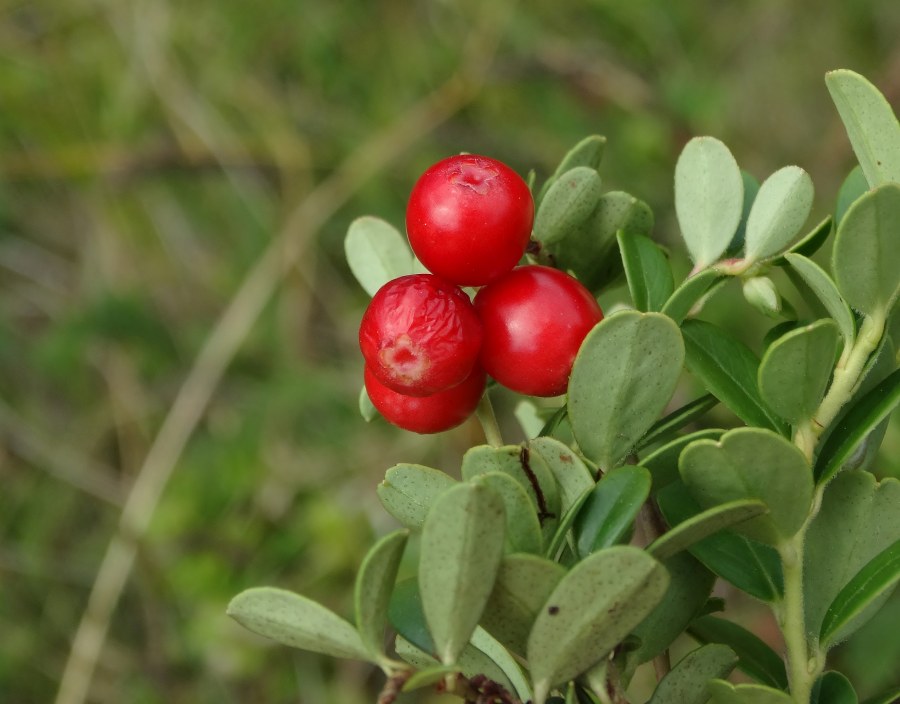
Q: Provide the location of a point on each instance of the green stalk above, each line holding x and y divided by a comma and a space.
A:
488, 420
792, 622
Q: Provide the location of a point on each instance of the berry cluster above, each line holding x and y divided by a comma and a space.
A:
427, 347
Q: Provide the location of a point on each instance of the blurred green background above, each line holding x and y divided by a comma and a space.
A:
151, 152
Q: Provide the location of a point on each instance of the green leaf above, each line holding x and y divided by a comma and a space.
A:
822, 285
723, 692
571, 474
833, 688
750, 566
294, 620
590, 611
647, 269
867, 249
751, 188
523, 531
376, 252
427, 677
662, 463
796, 368
689, 587
523, 585
871, 583
779, 211
568, 203
407, 617
588, 152
889, 697
709, 198
565, 525
752, 463
761, 293
755, 658
366, 408
858, 519
870, 124
811, 242
728, 369
696, 528
859, 420
501, 657
372, 591
665, 428
409, 490
461, 548
689, 293
686, 683
608, 514
853, 188
611, 404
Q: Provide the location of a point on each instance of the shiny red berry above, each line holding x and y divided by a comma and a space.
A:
420, 335
427, 414
534, 319
469, 219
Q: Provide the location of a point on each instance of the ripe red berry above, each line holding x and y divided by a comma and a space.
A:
534, 319
420, 335
427, 414
469, 219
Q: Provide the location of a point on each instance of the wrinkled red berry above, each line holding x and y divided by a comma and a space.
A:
534, 320
420, 335
427, 414
469, 219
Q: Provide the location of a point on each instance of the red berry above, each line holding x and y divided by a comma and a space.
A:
427, 414
469, 219
535, 319
420, 335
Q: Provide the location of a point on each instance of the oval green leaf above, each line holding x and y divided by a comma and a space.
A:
571, 474
779, 211
728, 369
501, 658
723, 692
867, 249
409, 490
662, 463
588, 152
709, 198
609, 511
590, 611
812, 241
568, 203
647, 271
611, 404
461, 548
755, 658
376, 252
826, 291
372, 591
870, 123
565, 525
406, 616
523, 531
796, 368
833, 688
294, 620
686, 683
853, 188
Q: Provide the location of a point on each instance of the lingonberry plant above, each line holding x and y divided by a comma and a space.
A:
553, 570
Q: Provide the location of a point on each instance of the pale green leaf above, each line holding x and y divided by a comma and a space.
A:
686, 683
723, 692
409, 490
779, 211
822, 285
571, 474
372, 591
523, 531
376, 252
567, 204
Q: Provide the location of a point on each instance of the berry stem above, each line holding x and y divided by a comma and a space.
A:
488, 420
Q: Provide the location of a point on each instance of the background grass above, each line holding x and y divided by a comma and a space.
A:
150, 151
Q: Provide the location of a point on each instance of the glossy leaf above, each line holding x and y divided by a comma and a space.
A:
751, 188
567, 204
588, 152
755, 658
709, 198
565, 525
722, 692
833, 688
594, 607
376, 252
662, 463
751, 566
372, 591
810, 243
409, 490
822, 285
858, 519
855, 425
609, 512
870, 123
407, 617
867, 249
686, 683
611, 405
690, 585
523, 531
728, 369
874, 581
523, 585
294, 620
572, 476
461, 547
779, 211
665, 428
696, 528
647, 270
853, 188
689, 293
796, 368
